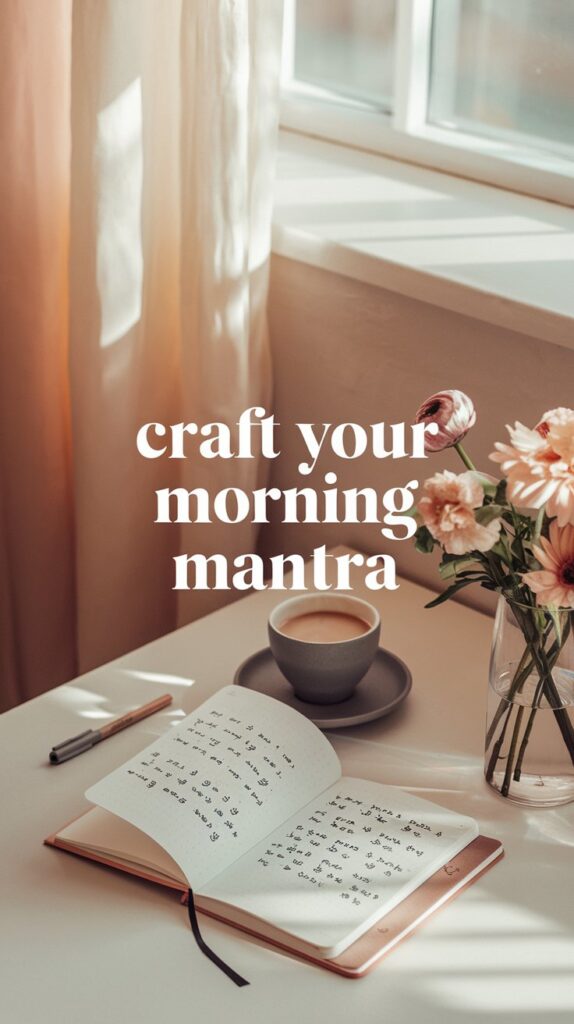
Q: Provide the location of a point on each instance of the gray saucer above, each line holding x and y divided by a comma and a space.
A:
380, 691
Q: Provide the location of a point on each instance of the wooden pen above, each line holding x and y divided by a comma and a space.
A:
88, 739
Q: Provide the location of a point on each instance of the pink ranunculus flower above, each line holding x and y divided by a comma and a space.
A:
454, 415
554, 583
447, 509
539, 464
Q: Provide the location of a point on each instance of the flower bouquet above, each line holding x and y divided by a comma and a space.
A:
514, 536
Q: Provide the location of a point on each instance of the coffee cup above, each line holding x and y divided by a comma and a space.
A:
324, 644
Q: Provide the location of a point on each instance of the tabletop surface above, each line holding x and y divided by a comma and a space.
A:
84, 944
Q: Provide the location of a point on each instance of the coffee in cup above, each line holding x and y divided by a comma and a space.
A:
324, 627
324, 644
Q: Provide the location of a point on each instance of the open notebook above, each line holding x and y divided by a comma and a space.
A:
244, 801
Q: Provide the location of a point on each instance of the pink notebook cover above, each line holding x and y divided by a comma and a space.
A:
365, 953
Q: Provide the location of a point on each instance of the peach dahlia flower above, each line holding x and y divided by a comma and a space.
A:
447, 510
554, 583
539, 464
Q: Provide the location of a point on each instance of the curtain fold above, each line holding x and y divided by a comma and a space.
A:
228, 128
135, 207
37, 605
124, 313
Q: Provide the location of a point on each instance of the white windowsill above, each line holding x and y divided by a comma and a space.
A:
475, 249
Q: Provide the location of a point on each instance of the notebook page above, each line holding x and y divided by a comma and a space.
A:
220, 780
106, 835
345, 860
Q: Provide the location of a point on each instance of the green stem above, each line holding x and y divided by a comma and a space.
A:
513, 742
524, 744
497, 745
523, 670
520, 676
545, 662
560, 713
528, 730
554, 655
545, 683
538, 525
517, 535
465, 458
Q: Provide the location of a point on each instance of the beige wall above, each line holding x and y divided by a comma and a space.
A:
344, 351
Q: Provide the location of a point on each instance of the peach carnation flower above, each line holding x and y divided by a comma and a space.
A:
447, 510
539, 464
554, 583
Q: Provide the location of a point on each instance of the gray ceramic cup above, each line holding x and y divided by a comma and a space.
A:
324, 673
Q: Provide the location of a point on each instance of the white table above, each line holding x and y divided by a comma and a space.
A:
85, 945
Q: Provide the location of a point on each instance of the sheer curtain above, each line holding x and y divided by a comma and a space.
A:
138, 145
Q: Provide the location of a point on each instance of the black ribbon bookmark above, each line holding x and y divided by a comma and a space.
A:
236, 978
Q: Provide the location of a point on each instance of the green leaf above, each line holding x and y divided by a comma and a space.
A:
488, 483
424, 540
448, 593
452, 565
488, 513
500, 495
500, 552
557, 620
447, 570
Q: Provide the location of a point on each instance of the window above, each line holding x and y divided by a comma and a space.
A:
347, 48
482, 88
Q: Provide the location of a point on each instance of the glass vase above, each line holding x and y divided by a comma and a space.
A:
529, 750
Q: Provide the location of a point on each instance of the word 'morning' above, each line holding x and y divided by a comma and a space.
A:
295, 505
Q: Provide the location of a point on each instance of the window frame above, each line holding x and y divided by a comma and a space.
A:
510, 162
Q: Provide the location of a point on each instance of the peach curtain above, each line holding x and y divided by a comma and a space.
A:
138, 144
